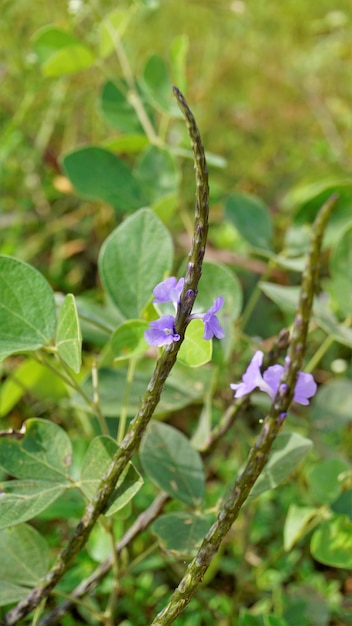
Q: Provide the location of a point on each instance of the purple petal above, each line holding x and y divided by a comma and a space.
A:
217, 305
252, 377
169, 290
270, 381
212, 326
305, 388
161, 332
272, 378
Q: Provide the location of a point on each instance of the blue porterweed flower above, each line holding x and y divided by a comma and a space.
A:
269, 382
162, 331
212, 326
169, 290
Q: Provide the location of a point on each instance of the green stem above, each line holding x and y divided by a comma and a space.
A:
259, 454
96, 401
133, 96
328, 341
152, 395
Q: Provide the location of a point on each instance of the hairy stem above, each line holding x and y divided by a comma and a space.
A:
259, 454
152, 395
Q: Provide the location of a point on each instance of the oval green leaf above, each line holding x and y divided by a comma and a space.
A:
195, 351
341, 272
27, 307
325, 480
251, 218
117, 110
331, 409
182, 532
331, 543
128, 340
44, 451
172, 463
24, 561
157, 174
129, 266
98, 174
60, 52
288, 450
21, 500
24, 555
68, 335
157, 86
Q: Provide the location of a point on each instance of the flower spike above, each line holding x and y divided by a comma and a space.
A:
269, 382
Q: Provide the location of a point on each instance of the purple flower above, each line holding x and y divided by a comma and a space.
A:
162, 331
169, 290
212, 326
269, 382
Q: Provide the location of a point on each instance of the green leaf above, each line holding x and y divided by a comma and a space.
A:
288, 450
286, 298
21, 500
128, 340
128, 266
165, 208
331, 543
341, 271
98, 174
24, 561
29, 376
296, 522
195, 351
251, 218
68, 60
182, 532
247, 619
24, 555
127, 144
43, 452
343, 504
68, 335
157, 174
61, 53
331, 409
328, 322
49, 39
114, 23
324, 480
97, 321
157, 86
272, 620
170, 461
96, 461
117, 110
307, 201
27, 307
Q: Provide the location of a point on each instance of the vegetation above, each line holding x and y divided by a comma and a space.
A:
135, 489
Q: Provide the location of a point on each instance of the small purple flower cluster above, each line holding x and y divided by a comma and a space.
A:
162, 332
270, 380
